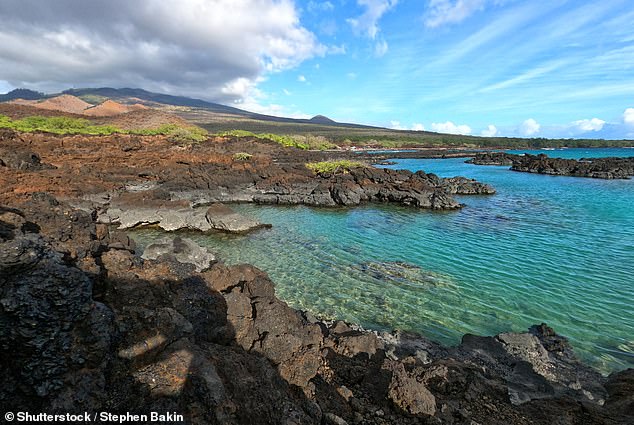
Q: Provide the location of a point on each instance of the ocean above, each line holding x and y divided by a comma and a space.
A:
551, 249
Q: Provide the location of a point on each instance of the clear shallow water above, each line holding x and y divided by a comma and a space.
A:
544, 249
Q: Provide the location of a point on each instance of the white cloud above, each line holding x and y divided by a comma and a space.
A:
213, 50
594, 124
301, 79
396, 125
490, 131
367, 23
451, 128
336, 50
529, 127
628, 116
418, 127
443, 12
319, 6
240, 88
352, 75
380, 48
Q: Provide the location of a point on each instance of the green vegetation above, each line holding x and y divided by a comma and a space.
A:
375, 137
287, 141
175, 133
93, 98
242, 156
66, 125
304, 141
334, 167
56, 125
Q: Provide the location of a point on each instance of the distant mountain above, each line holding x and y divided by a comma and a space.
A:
131, 96
25, 94
320, 119
165, 99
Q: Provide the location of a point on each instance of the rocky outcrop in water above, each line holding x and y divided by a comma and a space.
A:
492, 158
88, 325
601, 168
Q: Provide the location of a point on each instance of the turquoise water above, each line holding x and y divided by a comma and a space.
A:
548, 249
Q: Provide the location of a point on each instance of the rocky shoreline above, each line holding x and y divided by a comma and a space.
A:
86, 324
134, 181
601, 168
89, 324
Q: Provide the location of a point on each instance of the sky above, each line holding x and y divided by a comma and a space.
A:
530, 68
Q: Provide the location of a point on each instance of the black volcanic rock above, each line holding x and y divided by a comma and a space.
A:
601, 168
492, 158
220, 348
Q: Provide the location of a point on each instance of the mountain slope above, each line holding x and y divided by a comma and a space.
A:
130, 95
126, 94
25, 94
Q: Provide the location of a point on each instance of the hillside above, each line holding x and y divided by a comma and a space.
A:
64, 103
215, 117
25, 94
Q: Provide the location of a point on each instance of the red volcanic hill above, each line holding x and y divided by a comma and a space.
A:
63, 103
73, 105
106, 109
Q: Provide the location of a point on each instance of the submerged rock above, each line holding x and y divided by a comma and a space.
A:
402, 273
221, 217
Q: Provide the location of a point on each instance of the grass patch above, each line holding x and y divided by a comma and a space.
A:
334, 167
287, 141
303, 141
175, 133
346, 136
242, 156
66, 125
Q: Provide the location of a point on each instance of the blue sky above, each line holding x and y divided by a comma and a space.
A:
557, 68
534, 68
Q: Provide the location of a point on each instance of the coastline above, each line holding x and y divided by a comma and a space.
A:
155, 332
218, 345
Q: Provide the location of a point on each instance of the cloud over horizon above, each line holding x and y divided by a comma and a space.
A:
451, 128
530, 127
216, 50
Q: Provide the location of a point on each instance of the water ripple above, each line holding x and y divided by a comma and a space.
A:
553, 249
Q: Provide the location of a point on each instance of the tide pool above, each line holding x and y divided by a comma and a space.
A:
548, 249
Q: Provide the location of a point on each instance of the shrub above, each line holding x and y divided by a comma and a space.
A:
334, 167
314, 142
242, 156
284, 140
66, 125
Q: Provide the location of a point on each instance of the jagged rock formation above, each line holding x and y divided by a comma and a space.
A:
129, 172
492, 158
171, 216
601, 168
87, 325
